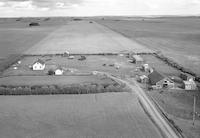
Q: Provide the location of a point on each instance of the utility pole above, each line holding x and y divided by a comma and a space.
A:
194, 110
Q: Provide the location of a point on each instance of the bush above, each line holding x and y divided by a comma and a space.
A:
34, 24
50, 72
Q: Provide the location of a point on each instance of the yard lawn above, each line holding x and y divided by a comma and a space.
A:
92, 63
53, 80
160, 66
113, 115
178, 104
177, 38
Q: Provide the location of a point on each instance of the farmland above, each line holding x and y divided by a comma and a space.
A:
177, 38
104, 43
97, 115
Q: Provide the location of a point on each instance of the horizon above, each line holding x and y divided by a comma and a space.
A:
90, 8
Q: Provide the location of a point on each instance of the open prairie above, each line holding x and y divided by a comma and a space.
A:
177, 38
75, 116
83, 37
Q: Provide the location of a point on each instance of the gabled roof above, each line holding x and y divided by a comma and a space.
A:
155, 77
39, 61
138, 58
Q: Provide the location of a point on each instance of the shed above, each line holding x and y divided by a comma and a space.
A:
66, 54
137, 59
144, 79
190, 85
59, 71
38, 65
146, 68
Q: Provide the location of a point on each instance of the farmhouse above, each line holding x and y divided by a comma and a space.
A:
158, 80
190, 85
59, 71
38, 65
137, 59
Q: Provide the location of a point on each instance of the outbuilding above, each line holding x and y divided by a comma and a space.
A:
190, 85
59, 71
66, 54
38, 65
144, 79
158, 80
137, 59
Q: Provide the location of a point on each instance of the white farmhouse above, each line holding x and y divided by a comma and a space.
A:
39, 65
59, 71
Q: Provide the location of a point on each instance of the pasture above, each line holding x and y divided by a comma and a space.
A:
177, 38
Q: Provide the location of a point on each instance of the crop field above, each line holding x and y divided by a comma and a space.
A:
176, 38
84, 37
112, 115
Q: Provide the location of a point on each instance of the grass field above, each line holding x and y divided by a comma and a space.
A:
179, 106
92, 63
176, 38
112, 115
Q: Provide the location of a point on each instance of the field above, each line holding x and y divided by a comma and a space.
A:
92, 115
83, 37
179, 107
177, 38
113, 115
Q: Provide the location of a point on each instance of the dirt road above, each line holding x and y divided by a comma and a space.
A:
112, 115
84, 37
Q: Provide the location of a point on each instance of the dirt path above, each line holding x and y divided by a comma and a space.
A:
84, 37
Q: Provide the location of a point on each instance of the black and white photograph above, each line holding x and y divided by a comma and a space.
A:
99, 68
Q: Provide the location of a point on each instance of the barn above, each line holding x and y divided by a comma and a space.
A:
158, 80
38, 65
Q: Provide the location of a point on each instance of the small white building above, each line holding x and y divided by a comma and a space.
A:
66, 54
59, 71
38, 65
146, 68
190, 85
137, 59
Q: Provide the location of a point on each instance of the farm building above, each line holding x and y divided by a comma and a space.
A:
143, 79
59, 71
137, 59
158, 80
186, 77
66, 54
38, 65
190, 85
147, 68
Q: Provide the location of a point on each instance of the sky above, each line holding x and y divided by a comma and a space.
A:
27, 8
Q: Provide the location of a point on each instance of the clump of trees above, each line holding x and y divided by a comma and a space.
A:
68, 89
34, 24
